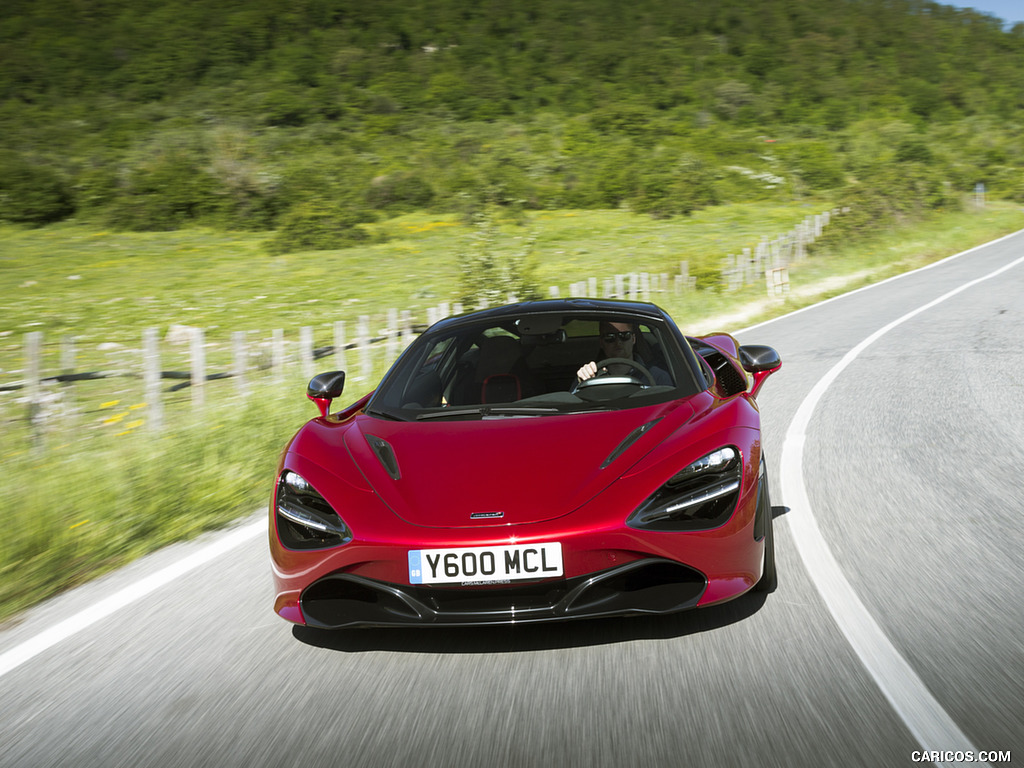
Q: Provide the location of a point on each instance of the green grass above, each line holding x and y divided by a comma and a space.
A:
79, 507
95, 487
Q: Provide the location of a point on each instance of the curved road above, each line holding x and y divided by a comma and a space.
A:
907, 471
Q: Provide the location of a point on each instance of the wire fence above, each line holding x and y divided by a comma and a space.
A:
175, 368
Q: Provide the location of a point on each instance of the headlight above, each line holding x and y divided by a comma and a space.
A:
700, 496
304, 518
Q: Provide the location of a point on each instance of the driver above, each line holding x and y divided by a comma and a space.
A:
619, 340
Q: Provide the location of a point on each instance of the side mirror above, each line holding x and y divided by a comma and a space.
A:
761, 361
756, 358
324, 387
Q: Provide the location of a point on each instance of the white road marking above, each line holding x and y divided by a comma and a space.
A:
920, 711
28, 649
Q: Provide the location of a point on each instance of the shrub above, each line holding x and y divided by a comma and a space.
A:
247, 188
667, 189
814, 163
95, 188
889, 197
166, 192
318, 226
400, 191
31, 193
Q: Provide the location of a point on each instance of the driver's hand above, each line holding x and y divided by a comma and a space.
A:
588, 371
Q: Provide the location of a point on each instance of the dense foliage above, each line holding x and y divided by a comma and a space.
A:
313, 117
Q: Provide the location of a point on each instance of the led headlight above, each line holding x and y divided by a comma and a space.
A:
304, 518
700, 496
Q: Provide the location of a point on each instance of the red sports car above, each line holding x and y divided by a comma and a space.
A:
540, 461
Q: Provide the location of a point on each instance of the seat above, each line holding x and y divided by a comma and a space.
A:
501, 388
497, 372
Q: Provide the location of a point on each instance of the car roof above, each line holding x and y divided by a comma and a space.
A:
569, 306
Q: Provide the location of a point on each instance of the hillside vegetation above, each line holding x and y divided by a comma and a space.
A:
311, 118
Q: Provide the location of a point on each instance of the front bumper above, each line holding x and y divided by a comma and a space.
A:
647, 586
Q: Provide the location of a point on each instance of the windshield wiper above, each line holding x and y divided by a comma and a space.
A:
385, 414
521, 410
488, 410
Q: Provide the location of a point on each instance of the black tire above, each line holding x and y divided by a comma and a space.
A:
769, 576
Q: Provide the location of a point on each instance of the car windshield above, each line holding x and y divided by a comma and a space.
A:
509, 366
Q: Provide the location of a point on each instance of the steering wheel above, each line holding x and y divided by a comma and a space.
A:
600, 379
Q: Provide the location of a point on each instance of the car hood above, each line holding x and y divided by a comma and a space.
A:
507, 470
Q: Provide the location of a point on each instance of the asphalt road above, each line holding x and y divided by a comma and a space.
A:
911, 464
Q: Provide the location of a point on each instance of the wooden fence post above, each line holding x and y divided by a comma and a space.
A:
339, 346
777, 279
240, 353
306, 351
151, 378
406, 328
33, 365
33, 368
391, 345
198, 371
277, 354
67, 368
365, 356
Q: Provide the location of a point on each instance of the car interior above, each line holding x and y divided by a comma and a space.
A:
507, 364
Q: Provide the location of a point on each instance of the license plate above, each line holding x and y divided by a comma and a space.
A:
485, 565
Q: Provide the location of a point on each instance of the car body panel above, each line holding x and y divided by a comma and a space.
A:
447, 468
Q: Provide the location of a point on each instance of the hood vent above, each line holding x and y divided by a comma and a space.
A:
631, 438
385, 455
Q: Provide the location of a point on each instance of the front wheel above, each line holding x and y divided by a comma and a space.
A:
769, 576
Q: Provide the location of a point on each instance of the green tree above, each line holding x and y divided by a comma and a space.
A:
489, 273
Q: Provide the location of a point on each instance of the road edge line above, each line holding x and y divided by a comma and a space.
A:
37, 644
923, 715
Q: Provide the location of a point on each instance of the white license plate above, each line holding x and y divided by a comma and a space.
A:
483, 565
